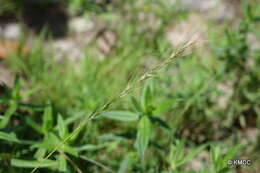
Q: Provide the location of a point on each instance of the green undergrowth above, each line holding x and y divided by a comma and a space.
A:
179, 120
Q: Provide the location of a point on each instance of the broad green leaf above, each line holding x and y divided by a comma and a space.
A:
9, 137
47, 119
33, 163
62, 128
62, 163
8, 114
143, 135
120, 115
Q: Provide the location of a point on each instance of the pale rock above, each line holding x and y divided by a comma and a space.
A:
200, 5
67, 48
191, 30
227, 91
6, 76
222, 12
12, 31
218, 10
106, 42
81, 24
253, 41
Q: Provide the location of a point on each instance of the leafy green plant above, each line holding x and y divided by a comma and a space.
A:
236, 55
220, 161
55, 117
178, 157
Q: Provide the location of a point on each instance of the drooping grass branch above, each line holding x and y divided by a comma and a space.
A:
150, 73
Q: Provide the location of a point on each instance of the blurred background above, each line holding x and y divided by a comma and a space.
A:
62, 60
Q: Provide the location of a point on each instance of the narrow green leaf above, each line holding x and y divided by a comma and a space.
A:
33, 163
17, 88
8, 114
161, 122
62, 128
120, 115
62, 163
191, 155
136, 105
215, 157
9, 137
143, 135
40, 153
146, 97
28, 93
214, 153
47, 119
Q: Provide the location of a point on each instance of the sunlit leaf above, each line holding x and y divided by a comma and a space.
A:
47, 119
62, 128
143, 135
120, 115
62, 163
33, 163
9, 137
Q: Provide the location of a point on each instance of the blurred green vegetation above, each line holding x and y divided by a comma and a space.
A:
174, 120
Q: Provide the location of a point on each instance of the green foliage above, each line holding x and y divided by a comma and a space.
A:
120, 115
172, 123
219, 162
178, 157
143, 136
